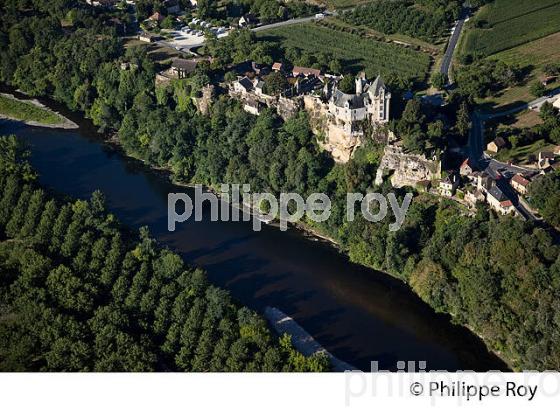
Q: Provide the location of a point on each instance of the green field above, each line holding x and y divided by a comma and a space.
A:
531, 58
25, 111
355, 52
505, 24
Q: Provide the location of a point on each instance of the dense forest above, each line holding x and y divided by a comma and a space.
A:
500, 276
428, 20
80, 293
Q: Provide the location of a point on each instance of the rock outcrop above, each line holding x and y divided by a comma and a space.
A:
408, 169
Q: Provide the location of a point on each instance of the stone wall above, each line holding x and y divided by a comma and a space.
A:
285, 107
204, 102
408, 169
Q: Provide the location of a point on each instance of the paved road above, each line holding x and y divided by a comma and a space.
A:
496, 168
448, 57
285, 23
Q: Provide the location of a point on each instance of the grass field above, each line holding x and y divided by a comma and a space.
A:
525, 154
505, 24
535, 54
25, 111
531, 57
355, 52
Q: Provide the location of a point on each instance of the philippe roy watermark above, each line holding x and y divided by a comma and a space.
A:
237, 203
412, 380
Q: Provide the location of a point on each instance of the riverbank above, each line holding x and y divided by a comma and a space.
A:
302, 341
32, 112
306, 230
165, 174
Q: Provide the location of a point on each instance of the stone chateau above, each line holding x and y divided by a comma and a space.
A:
340, 120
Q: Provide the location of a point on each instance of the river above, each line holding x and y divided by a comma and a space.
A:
358, 314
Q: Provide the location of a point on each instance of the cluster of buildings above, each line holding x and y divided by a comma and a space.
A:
477, 187
342, 119
480, 186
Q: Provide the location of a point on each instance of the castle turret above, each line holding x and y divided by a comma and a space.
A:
361, 81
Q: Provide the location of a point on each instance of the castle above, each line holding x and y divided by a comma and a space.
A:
340, 120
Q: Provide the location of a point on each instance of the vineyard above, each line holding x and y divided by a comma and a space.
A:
505, 24
355, 52
405, 17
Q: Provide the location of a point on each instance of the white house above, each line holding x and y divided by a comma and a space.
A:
448, 185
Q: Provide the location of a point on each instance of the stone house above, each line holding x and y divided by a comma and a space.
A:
496, 145
248, 20
520, 184
474, 196
449, 185
499, 202
466, 168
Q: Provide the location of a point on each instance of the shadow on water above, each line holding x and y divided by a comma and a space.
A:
356, 313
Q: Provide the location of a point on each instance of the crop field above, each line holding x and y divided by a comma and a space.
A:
355, 52
535, 54
505, 24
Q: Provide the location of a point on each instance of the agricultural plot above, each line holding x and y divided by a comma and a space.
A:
355, 52
505, 24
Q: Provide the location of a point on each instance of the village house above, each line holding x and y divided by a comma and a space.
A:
278, 67
180, 68
449, 185
305, 72
520, 184
484, 182
466, 168
474, 196
556, 103
545, 159
259, 69
248, 20
496, 145
499, 202
146, 37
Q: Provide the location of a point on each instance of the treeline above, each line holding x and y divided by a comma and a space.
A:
484, 78
428, 20
79, 293
500, 276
